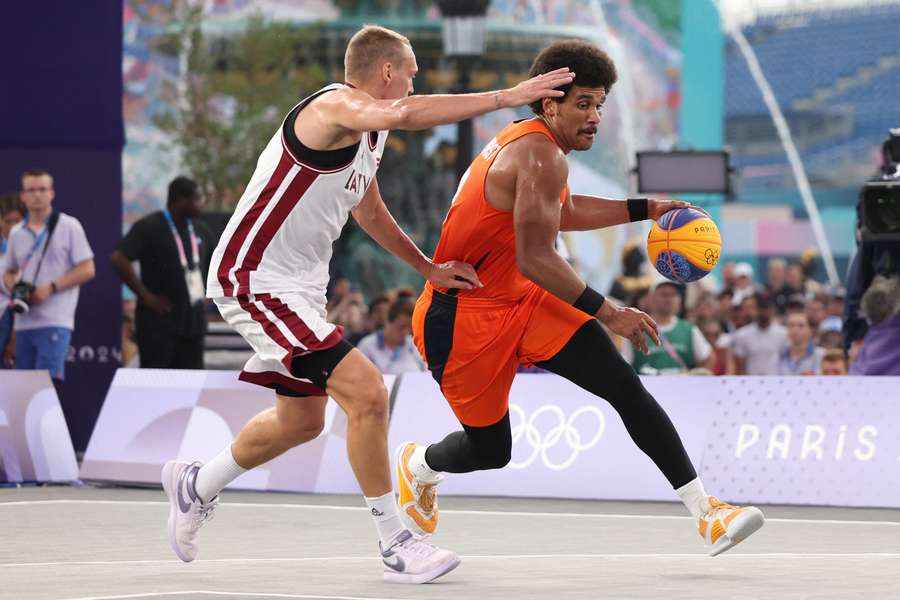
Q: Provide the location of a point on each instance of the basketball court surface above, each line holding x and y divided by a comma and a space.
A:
62, 543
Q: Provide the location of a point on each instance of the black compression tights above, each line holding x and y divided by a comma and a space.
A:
479, 448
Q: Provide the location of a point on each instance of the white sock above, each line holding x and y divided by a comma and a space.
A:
216, 474
386, 516
419, 466
694, 497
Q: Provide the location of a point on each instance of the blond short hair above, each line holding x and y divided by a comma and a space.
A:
371, 46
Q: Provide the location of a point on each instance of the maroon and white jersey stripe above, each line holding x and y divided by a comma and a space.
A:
280, 236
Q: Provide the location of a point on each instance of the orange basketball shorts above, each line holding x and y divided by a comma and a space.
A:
473, 345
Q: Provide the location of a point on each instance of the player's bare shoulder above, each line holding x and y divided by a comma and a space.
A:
319, 125
538, 155
533, 156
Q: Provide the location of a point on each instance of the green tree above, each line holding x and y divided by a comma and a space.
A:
235, 94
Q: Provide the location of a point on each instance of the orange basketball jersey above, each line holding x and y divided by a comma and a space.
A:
483, 236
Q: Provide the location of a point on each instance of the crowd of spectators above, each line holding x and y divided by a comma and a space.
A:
786, 323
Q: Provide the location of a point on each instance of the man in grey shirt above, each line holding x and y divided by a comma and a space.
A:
55, 262
758, 345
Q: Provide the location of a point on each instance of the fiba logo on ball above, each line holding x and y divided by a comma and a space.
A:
557, 440
684, 245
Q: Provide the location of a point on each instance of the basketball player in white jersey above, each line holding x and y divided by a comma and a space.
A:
270, 270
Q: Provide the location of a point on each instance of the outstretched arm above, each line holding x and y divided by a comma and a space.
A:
375, 219
355, 110
585, 213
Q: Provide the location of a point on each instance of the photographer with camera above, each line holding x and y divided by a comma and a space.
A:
48, 258
878, 251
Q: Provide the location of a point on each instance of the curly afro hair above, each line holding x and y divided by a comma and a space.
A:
592, 66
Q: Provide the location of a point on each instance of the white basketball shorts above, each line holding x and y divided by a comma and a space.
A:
279, 329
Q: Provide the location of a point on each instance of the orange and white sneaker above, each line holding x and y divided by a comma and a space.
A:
724, 526
418, 496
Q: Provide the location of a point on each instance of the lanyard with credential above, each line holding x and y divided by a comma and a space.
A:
195, 252
37, 244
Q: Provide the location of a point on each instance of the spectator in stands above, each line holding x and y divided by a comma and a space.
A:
642, 300
744, 312
801, 356
350, 311
374, 319
632, 279
705, 307
809, 263
391, 349
777, 286
795, 279
682, 346
743, 282
834, 362
50, 253
815, 312
340, 289
11, 213
880, 351
835, 302
720, 343
830, 336
728, 276
173, 249
724, 311
756, 346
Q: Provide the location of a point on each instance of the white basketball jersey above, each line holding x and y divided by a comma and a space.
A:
280, 236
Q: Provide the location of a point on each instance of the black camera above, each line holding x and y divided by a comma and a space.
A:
21, 297
879, 199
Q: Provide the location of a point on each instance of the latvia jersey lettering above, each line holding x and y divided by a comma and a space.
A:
269, 272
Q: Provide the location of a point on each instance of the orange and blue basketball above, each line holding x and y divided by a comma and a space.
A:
684, 245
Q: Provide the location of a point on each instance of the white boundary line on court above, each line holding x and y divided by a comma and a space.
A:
177, 564
228, 594
491, 513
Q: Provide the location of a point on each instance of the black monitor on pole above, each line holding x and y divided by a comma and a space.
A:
683, 171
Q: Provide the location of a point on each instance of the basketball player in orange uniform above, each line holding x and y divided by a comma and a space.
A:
533, 308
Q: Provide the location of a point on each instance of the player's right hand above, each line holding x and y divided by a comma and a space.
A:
540, 86
630, 323
453, 274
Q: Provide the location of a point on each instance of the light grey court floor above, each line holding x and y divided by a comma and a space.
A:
88, 543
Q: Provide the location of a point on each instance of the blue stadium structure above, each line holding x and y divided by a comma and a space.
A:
836, 76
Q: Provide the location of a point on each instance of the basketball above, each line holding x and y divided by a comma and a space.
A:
684, 245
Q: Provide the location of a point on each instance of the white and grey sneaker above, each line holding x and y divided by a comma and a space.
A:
411, 559
187, 512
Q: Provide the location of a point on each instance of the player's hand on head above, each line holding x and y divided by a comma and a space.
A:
657, 207
540, 86
453, 274
630, 323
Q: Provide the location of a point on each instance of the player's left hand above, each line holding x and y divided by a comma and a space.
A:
657, 208
453, 274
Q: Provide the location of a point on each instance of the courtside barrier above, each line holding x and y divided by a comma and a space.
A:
154, 415
792, 440
35, 445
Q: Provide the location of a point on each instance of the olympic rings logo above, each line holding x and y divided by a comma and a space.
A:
564, 431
